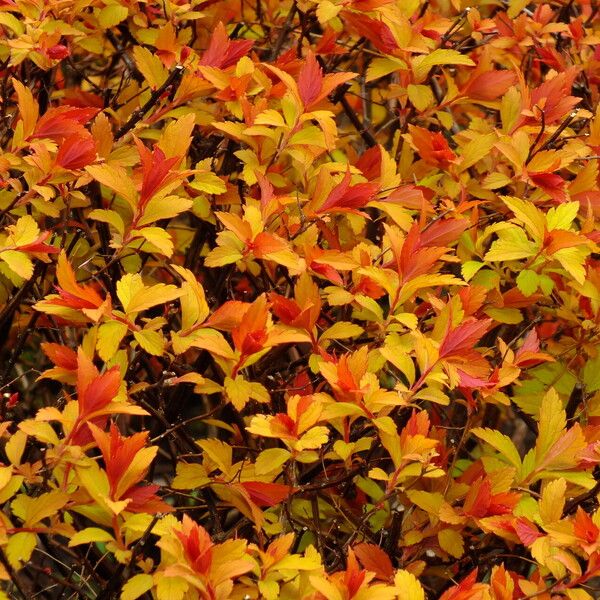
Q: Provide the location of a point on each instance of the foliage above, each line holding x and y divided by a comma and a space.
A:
299, 299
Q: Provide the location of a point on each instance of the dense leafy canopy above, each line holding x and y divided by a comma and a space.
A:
299, 299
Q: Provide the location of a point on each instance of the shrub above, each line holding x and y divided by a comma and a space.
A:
299, 299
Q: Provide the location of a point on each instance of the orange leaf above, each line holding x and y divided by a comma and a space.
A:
267, 494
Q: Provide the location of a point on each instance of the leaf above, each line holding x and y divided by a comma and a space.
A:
20, 548
110, 336
380, 67
340, 331
136, 297
170, 588
374, 559
77, 151
112, 15
34, 510
163, 208
109, 216
88, 535
500, 442
512, 244
591, 374
528, 214
408, 585
421, 65
136, 586
28, 107
117, 179
463, 338
18, 262
528, 282
552, 501
267, 494
158, 237
190, 476
152, 342
557, 448
150, 67
451, 542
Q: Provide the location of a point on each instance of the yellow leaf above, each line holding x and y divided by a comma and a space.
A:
208, 182
18, 262
421, 96
112, 15
136, 586
28, 107
408, 586
512, 244
108, 216
25, 231
190, 476
341, 330
164, 208
327, 10
90, 534
33, 510
109, 338
528, 214
380, 67
451, 542
177, 136
15, 446
40, 431
422, 64
115, 178
207, 339
171, 588
193, 300
135, 296
552, 501
500, 442
156, 236
20, 547
152, 342
150, 67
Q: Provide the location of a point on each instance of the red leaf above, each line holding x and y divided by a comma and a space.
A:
61, 356
267, 494
443, 232
62, 121
222, 52
464, 337
377, 32
526, 531
310, 79
77, 151
348, 198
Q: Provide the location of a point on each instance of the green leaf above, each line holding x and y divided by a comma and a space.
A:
470, 268
527, 282
591, 374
